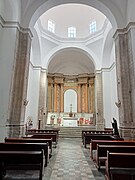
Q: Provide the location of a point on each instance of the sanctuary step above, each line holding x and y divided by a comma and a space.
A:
73, 132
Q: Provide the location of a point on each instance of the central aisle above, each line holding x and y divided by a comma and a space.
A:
71, 162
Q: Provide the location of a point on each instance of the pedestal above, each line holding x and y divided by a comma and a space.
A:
70, 121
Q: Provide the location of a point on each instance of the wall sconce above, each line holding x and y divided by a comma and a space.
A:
118, 104
25, 102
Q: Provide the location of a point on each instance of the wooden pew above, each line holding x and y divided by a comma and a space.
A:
102, 152
34, 131
108, 131
18, 160
52, 136
93, 144
89, 137
120, 166
32, 140
16, 146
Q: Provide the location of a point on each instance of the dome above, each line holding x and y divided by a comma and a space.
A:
72, 15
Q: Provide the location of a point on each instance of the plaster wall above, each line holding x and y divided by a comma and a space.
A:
130, 11
110, 96
8, 40
8, 37
33, 96
96, 48
10, 10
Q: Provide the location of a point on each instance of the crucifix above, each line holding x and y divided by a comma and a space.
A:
70, 114
70, 107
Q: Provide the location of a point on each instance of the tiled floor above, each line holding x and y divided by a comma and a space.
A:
70, 161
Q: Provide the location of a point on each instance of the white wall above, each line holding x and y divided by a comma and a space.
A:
110, 96
10, 10
70, 97
130, 11
33, 95
7, 46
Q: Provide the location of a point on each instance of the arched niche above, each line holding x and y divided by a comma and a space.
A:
70, 100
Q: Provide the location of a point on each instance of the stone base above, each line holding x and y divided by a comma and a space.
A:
127, 132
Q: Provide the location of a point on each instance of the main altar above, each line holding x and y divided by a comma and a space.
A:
70, 121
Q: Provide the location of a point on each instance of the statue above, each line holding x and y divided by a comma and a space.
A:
70, 113
115, 128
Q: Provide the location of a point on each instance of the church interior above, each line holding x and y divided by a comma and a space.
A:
68, 79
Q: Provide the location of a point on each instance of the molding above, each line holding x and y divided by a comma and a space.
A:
38, 67
124, 30
109, 69
16, 25
86, 40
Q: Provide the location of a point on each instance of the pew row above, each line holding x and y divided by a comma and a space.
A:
102, 152
34, 131
108, 131
93, 144
89, 137
18, 160
16, 146
32, 140
120, 166
52, 136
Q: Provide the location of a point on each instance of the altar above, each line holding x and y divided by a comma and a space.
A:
70, 121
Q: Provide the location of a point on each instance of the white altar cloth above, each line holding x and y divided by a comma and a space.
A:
70, 121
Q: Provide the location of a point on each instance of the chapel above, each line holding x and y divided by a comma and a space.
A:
67, 65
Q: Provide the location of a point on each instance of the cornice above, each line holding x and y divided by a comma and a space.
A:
109, 69
59, 40
124, 30
16, 25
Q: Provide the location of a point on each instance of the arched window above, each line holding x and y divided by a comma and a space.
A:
72, 32
93, 27
51, 26
70, 98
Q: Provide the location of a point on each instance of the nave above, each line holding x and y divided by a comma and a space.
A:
70, 161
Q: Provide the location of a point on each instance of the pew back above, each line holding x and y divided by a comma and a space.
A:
18, 160
102, 152
120, 166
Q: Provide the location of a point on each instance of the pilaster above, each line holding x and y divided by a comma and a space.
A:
125, 63
99, 102
18, 95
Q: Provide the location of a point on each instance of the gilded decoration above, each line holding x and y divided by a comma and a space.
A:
60, 83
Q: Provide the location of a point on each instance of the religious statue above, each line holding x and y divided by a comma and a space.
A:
115, 128
70, 113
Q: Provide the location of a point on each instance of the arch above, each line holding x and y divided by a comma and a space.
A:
70, 98
36, 49
10, 10
81, 48
109, 9
107, 48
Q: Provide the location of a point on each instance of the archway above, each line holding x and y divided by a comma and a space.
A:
70, 101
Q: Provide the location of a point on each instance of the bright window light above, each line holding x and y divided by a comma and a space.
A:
51, 26
71, 32
93, 27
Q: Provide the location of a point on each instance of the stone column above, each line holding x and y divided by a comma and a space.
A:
52, 98
86, 98
125, 67
62, 98
79, 98
55, 97
99, 102
83, 98
49, 103
42, 99
91, 86
18, 100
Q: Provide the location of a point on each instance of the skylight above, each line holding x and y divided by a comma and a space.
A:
72, 32
93, 27
51, 26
